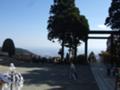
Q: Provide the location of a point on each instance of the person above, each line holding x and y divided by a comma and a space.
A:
73, 72
4, 81
92, 58
1, 84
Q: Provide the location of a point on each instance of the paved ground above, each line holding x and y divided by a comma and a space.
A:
104, 82
54, 77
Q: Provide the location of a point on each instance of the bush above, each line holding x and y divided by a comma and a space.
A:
81, 59
9, 47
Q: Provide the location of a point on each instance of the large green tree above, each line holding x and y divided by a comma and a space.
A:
66, 24
9, 47
77, 34
113, 20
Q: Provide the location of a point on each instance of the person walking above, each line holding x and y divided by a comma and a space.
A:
73, 72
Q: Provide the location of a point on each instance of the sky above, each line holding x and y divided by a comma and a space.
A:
25, 22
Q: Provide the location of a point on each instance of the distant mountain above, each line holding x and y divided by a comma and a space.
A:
22, 51
45, 51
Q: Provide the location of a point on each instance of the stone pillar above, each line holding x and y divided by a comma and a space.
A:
86, 49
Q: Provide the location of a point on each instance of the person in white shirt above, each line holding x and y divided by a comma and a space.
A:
73, 72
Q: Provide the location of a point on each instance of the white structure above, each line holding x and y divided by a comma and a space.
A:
11, 80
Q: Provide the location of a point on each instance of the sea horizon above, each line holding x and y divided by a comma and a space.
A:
53, 52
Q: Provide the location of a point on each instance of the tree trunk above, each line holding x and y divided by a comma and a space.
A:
62, 51
75, 52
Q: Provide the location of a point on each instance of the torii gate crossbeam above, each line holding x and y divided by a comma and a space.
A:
102, 32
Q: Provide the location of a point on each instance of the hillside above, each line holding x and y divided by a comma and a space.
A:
21, 51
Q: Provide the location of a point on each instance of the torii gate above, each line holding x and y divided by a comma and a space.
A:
101, 32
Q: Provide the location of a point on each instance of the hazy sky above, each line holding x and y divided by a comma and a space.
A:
25, 21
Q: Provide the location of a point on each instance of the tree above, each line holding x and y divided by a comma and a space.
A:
9, 47
78, 33
113, 20
66, 24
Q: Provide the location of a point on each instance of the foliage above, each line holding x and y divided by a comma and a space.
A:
105, 56
65, 19
113, 20
81, 59
66, 24
9, 47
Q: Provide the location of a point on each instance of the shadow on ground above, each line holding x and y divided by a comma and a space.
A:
54, 76
57, 76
